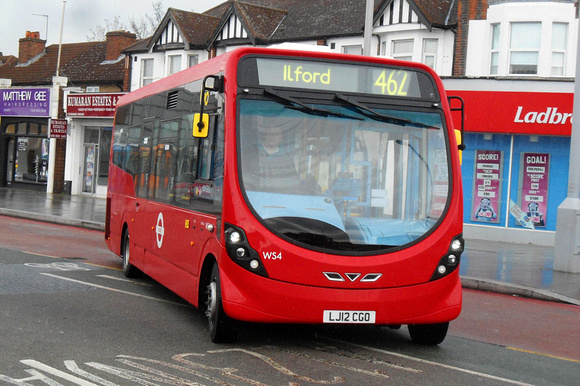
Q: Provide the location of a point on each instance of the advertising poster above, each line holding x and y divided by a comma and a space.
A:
487, 186
534, 177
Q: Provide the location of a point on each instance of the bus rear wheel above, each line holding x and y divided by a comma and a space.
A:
428, 334
128, 269
222, 329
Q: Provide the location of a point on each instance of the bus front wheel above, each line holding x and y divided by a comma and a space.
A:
428, 334
221, 327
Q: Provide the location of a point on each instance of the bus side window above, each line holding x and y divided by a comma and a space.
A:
186, 162
165, 151
131, 165
142, 180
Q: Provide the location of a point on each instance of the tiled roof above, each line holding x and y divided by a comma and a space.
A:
196, 28
260, 22
438, 12
299, 19
275, 21
81, 63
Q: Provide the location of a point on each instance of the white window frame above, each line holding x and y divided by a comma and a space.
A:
516, 51
149, 77
353, 49
192, 60
561, 51
173, 64
495, 49
427, 54
407, 55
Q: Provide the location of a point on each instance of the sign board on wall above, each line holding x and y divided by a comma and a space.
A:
92, 104
487, 186
25, 102
532, 113
58, 128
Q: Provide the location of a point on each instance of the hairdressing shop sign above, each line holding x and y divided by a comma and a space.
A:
25, 102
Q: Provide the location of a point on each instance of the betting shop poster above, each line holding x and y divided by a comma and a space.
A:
487, 186
534, 178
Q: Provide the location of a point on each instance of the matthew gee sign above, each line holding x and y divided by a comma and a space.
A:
25, 102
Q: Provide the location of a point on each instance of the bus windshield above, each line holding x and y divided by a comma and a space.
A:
343, 178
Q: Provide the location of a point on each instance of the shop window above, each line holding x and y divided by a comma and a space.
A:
537, 179
11, 129
559, 38
430, 52
146, 71
34, 128
494, 62
525, 48
402, 49
22, 128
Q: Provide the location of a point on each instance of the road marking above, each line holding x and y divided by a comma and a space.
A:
125, 280
427, 362
114, 289
544, 355
61, 374
59, 266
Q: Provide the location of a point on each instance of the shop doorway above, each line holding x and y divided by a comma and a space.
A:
96, 151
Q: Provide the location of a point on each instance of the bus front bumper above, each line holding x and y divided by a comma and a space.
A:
252, 298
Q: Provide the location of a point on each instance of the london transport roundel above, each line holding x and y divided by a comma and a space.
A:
160, 230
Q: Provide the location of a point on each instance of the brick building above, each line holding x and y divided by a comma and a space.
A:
32, 94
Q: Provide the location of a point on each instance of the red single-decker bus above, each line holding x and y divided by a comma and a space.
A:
279, 186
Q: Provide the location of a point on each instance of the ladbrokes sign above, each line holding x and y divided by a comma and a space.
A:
529, 113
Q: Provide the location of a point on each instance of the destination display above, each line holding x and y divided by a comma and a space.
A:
338, 77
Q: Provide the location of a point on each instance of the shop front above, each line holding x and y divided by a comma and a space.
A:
515, 167
24, 144
90, 117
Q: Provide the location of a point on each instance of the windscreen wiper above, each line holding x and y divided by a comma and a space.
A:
308, 109
381, 117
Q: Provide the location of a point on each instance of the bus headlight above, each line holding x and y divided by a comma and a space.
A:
239, 250
450, 261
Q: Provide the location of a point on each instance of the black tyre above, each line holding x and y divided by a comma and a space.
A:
222, 329
128, 269
428, 334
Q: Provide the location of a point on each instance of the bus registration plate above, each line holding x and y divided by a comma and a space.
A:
349, 317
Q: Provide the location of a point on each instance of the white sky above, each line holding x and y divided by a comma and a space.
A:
80, 17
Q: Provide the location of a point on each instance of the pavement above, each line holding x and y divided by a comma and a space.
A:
515, 269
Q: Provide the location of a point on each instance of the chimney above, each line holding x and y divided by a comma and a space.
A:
30, 46
116, 42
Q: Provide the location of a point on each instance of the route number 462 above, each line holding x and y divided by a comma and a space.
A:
393, 82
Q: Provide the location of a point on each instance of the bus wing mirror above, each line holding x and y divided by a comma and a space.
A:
459, 133
200, 125
201, 120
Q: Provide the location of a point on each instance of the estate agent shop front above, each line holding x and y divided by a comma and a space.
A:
90, 117
515, 167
